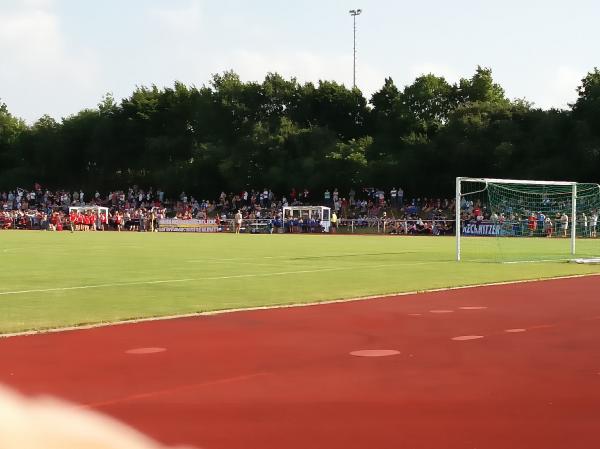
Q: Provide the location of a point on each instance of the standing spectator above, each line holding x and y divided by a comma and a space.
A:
548, 226
532, 223
584, 224
564, 223
142, 218
334, 220
344, 207
394, 197
238, 221
326, 197
593, 224
380, 197
119, 220
541, 220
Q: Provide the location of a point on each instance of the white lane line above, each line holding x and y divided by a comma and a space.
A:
467, 337
170, 281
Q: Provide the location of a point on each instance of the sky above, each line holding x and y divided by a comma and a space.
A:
58, 57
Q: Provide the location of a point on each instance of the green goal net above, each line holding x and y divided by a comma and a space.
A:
511, 220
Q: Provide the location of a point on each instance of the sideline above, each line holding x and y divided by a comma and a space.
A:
287, 306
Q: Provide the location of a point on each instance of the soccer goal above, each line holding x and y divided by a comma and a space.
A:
523, 220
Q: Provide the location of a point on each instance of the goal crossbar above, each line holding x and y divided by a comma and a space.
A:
517, 181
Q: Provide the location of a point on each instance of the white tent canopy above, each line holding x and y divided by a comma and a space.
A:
321, 213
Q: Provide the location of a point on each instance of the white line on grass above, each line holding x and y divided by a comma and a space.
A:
297, 258
215, 278
535, 261
169, 281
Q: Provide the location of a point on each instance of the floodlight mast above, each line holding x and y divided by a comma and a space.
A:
354, 13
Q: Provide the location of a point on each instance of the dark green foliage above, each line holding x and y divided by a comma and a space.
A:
281, 134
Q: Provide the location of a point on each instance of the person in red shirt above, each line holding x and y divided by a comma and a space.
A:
73, 220
118, 221
103, 221
59, 225
55, 220
532, 223
93, 219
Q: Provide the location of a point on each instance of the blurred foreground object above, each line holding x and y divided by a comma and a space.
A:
47, 423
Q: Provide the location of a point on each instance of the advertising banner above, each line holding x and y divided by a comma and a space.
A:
482, 229
175, 225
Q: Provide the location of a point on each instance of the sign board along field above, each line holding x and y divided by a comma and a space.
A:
193, 225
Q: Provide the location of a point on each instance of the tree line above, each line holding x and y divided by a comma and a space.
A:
230, 135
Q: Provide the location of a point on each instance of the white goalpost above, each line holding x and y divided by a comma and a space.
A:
488, 207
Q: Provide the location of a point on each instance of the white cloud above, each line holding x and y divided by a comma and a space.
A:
304, 66
451, 75
179, 20
39, 4
560, 89
29, 40
38, 67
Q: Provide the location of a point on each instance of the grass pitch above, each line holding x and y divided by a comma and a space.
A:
51, 280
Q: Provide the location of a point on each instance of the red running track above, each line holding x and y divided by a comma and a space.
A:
285, 378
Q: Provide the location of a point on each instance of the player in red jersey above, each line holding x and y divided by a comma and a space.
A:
118, 220
72, 220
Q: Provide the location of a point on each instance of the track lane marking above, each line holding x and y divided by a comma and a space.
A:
152, 394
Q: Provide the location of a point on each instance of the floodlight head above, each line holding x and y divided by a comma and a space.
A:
358, 11
352, 11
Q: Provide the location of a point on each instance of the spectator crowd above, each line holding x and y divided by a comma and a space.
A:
138, 209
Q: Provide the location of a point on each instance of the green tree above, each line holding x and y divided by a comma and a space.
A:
481, 87
11, 130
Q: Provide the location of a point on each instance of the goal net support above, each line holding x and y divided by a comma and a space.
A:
504, 208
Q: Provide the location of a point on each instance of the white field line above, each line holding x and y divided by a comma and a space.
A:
216, 278
256, 264
281, 273
172, 281
534, 261
291, 258
290, 306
